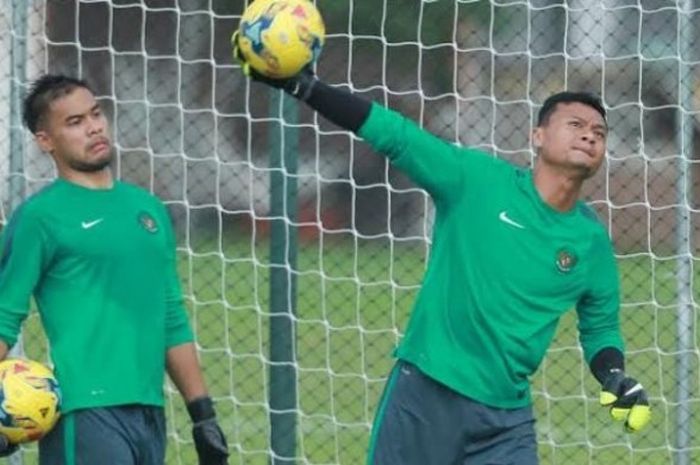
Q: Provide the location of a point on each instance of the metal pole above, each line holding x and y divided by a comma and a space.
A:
283, 263
684, 278
18, 57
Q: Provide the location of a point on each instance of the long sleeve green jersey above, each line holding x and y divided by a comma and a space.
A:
102, 269
504, 267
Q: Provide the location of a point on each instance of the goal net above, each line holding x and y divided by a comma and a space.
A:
301, 251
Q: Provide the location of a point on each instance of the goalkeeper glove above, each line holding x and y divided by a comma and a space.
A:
208, 438
6, 448
627, 400
298, 86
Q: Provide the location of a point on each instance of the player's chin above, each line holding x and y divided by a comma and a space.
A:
586, 166
583, 170
93, 164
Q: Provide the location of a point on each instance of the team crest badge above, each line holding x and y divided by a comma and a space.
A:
147, 222
566, 260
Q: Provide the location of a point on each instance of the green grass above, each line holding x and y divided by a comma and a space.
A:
353, 299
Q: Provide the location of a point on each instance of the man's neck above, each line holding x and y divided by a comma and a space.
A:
101, 179
558, 189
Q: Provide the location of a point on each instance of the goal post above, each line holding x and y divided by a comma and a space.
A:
301, 251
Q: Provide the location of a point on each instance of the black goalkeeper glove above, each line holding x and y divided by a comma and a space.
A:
6, 448
627, 400
208, 438
298, 86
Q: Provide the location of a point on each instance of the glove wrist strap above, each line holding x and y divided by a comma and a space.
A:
606, 360
301, 87
201, 409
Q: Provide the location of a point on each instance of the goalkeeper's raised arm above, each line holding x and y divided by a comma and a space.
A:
514, 248
443, 173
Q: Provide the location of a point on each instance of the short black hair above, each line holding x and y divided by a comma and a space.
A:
43, 92
552, 101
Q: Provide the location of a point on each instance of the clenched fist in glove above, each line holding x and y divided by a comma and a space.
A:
298, 86
6, 448
627, 400
208, 438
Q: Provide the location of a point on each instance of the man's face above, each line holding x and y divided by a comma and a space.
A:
76, 133
572, 139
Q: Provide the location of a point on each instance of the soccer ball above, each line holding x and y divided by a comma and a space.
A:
30, 400
279, 37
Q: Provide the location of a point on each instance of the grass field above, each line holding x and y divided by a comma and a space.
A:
353, 299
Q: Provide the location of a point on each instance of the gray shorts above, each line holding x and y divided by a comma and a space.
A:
123, 435
422, 422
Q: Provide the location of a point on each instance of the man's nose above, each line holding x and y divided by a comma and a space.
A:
95, 125
588, 136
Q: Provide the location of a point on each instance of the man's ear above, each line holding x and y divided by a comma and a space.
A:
44, 141
537, 137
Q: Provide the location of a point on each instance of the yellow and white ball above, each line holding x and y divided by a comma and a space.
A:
30, 400
279, 37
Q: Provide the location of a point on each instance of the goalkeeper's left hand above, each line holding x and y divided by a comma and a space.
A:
209, 440
627, 400
6, 448
298, 86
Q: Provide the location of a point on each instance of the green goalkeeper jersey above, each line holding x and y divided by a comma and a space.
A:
504, 267
101, 266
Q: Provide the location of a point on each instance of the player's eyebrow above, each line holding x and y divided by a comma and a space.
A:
601, 127
80, 115
598, 126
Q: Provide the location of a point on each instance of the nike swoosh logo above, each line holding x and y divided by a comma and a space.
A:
636, 388
90, 224
503, 216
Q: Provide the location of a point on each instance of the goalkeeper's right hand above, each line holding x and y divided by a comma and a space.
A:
627, 400
298, 86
